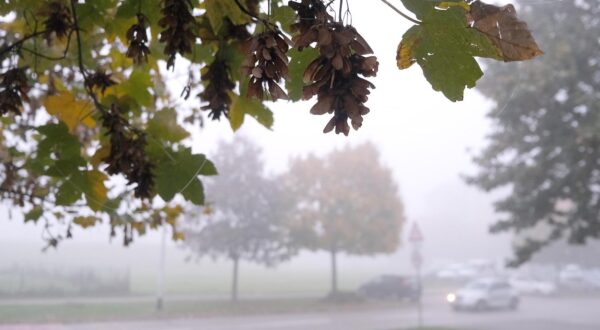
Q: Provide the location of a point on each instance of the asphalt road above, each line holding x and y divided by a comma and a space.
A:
534, 314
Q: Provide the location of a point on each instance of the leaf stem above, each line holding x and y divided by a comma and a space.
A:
82, 69
256, 18
401, 13
19, 42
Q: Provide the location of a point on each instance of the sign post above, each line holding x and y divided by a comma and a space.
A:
415, 239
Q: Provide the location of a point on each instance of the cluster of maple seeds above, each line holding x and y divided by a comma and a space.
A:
266, 63
127, 152
179, 26
13, 90
100, 80
137, 37
216, 76
58, 20
217, 88
335, 76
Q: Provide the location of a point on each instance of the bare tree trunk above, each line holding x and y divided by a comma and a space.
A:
334, 284
234, 282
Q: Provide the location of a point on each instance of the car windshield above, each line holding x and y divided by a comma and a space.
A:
478, 286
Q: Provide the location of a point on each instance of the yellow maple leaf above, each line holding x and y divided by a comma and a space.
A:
405, 57
449, 4
178, 236
85, 222
70, 110
101, 153
97, 194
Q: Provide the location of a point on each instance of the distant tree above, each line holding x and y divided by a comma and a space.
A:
345, 202
544, 150
244, 222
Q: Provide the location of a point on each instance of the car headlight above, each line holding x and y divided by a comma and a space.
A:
451, 297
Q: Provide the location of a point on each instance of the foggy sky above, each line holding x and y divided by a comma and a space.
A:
424, 138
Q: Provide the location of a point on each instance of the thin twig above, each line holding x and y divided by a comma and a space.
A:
19, 42
256, 18
82, 69
78, 36
23, 194
401, 13
46, 57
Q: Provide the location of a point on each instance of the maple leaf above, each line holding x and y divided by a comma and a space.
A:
86, 222
509, 34
445, 48
70, 110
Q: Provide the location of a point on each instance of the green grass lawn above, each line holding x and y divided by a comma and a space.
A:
97, 312
429, 328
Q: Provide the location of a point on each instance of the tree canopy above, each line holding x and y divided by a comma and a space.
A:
85, 107
545, 146
345, 202
245, 218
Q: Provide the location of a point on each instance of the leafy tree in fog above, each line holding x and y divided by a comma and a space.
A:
345, 202
245, 222
545, 146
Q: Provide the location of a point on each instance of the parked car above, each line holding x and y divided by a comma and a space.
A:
485, 294
456, 272
391, 287
573, 277
526, 285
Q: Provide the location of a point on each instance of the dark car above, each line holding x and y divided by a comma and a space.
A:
391, 287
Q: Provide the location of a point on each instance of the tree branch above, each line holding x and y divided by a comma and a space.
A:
19, 42
51, 58
82, 69
256, 18
401, 13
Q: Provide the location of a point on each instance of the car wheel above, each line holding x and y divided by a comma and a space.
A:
481, 305
514, 304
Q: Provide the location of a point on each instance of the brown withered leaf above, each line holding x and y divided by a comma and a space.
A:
502, 26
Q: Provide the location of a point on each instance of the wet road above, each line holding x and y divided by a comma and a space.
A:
534, 314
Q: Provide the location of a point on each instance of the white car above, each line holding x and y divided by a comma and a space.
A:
484, 294
525, 285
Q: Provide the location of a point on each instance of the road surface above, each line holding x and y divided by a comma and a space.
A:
580, 313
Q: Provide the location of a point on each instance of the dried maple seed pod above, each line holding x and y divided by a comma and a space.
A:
180, 28
335, 76
101, 80
218, 85
253, 7
13, 91
266, 64
57, 20
137, 37
127, 153
311, 13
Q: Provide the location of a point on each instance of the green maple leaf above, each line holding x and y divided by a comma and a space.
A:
298, 63
445, 48
179, 174
164, 126
218, 10
242, 106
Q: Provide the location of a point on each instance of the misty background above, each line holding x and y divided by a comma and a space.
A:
427, 141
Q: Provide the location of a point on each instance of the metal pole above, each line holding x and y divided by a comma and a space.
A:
420, 306
160, 281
